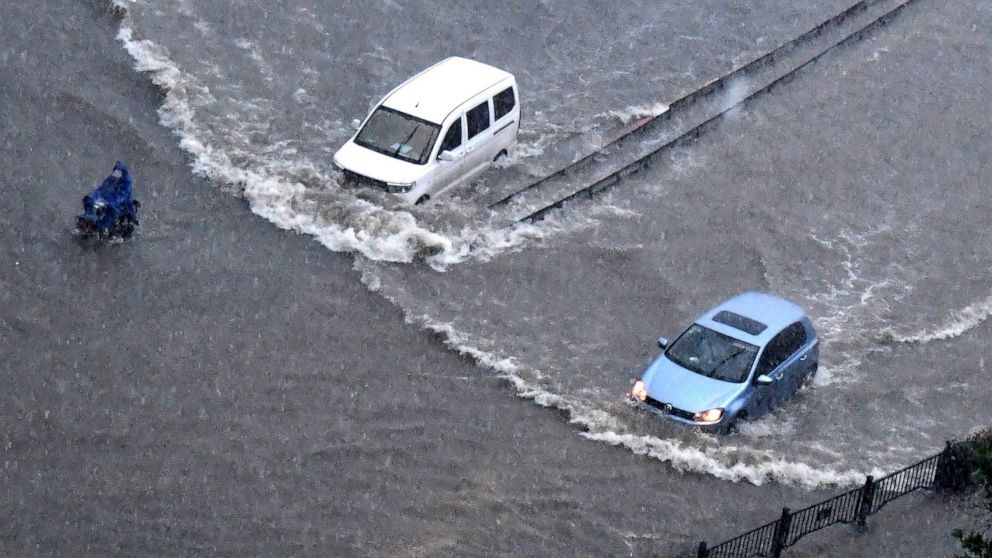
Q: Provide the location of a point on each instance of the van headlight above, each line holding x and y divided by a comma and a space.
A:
399, 188
712, 415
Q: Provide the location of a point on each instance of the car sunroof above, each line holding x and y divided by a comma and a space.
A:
736, 321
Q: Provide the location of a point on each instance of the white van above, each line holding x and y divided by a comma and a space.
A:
440, 128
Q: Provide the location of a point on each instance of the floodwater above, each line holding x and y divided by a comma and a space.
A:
858, 189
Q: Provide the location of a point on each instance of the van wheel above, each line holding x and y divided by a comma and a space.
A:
809, 379
422, 200
500, 156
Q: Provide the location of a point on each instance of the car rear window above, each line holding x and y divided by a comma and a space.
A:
736, 321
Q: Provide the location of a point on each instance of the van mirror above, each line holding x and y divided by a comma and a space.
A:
446, 156
356, 124
763, 380
662, 342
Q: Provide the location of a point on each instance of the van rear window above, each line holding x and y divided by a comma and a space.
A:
503, 103
478, 119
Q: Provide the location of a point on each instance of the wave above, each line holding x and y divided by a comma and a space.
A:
364, 227
631, 113
958, 324
299, 196
725, 464
296, 195
728, 462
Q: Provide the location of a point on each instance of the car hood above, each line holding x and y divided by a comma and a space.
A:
670, 383
375, 165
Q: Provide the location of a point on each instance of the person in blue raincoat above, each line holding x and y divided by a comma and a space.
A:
110, 209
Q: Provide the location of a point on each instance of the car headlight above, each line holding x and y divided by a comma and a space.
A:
399, 188
712, 415
639, 391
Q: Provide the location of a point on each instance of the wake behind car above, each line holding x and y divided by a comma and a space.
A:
437, 130
737, 361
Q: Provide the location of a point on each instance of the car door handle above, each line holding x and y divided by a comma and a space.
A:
803, 357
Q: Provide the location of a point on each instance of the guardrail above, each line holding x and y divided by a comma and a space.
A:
949, 470
890, 9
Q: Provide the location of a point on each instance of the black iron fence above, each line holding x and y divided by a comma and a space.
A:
949, 470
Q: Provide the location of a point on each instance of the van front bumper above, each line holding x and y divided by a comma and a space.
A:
405, 193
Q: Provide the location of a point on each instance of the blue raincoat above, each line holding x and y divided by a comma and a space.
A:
105, 205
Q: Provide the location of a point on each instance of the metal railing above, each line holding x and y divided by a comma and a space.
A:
949, 470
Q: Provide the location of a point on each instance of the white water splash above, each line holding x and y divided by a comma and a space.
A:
735, 92
629, 114
769, 468
286, 192
726, 461
362, 227
958, 324
351, 224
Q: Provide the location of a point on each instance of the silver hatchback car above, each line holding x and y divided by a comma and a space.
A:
737, 361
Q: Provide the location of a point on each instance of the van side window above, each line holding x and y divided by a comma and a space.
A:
503, 103
478, 119
453, 138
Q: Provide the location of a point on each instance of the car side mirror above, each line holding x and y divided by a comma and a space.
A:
763, 380
356, 124
662, 342
447, 156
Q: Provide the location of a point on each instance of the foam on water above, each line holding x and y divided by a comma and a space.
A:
735, 92
960, 322
729, 463
726, 461
631, 113
854, 297
366, 228
283, 189
347, 223
295, 194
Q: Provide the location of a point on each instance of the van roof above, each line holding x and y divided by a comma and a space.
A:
432, 94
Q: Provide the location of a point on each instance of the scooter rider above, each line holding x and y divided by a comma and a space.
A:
109, 209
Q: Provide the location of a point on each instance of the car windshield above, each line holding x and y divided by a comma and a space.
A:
713, 354
398, 135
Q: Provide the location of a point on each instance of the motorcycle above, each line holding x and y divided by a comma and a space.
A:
110, 211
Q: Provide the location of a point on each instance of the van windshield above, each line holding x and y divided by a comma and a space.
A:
398, 135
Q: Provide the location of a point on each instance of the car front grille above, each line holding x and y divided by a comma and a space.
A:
675, 411
361, 180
